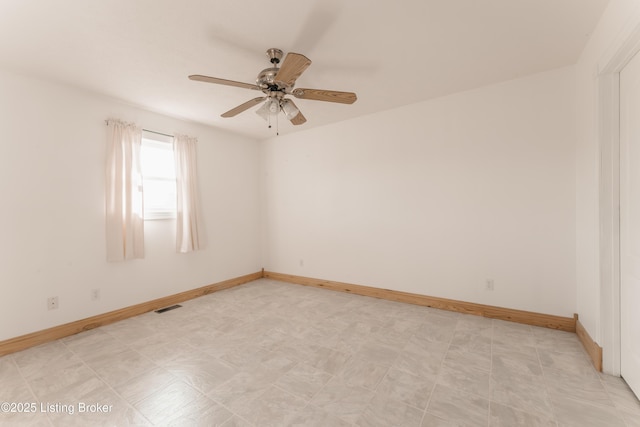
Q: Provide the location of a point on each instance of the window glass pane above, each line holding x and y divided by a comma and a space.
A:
159, 178
159, 195
156, 160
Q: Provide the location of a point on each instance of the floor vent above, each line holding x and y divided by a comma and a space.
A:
173, 307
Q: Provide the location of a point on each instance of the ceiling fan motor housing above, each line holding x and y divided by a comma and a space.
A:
266, 78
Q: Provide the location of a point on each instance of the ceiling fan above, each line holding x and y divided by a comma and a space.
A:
277, 82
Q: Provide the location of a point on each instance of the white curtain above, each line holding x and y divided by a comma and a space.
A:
188, 218
124, 206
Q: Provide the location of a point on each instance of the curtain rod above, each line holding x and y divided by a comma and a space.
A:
106, 122
157, 133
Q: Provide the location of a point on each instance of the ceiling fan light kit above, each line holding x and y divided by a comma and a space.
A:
276, 83
289, 109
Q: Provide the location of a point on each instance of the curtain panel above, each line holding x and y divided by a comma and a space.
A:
124, 203
189, 224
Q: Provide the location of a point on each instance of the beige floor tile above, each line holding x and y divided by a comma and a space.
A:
481, 325
392, 335
632, 418
423, 359
506, 326
275, 353
201, 338
165, 402
465, 377
458, 406
272, 408
526, 393
516, 351
342, 400
348, 341
505, 335
505, 416
34, 362
506, 365
129, 331
15, 391
558, 341
303, 381
430, 420
8, 368
621, 395
574, 413
410, 389
119, 368
13, 388
589, 388
363, 373
25, 420
65, 384
377, 353
200, 371
474, 358
246, 356
383, 411
312, 416
568, 362
201, 412
327, 359
277, 362
437, 328
139, 387
236, 421
93, 343
472, 340
240, 390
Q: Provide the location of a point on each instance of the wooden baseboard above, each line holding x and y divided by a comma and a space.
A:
529, 318
36, 338
592, 348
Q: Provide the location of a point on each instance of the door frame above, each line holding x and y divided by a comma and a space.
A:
624, 47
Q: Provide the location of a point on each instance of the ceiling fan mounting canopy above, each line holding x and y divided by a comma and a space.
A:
277, 82
275, 55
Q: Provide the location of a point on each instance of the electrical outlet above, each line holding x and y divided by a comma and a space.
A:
52, 303
95, 294
489, 285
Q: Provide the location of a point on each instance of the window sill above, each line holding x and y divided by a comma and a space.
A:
159, 216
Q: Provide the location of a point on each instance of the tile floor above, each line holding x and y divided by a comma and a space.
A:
271, 353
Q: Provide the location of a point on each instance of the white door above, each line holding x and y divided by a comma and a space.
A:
630, 223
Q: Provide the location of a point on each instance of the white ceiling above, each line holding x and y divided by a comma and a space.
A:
391, 53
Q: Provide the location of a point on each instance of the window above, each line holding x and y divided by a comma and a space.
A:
158, 176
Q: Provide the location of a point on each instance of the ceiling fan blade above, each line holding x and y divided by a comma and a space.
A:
216, 80
242, 107
293, 66
299, 118
325, 95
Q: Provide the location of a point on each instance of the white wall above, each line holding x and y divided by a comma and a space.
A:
52, 141
400, 199
619, 16
434, 198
